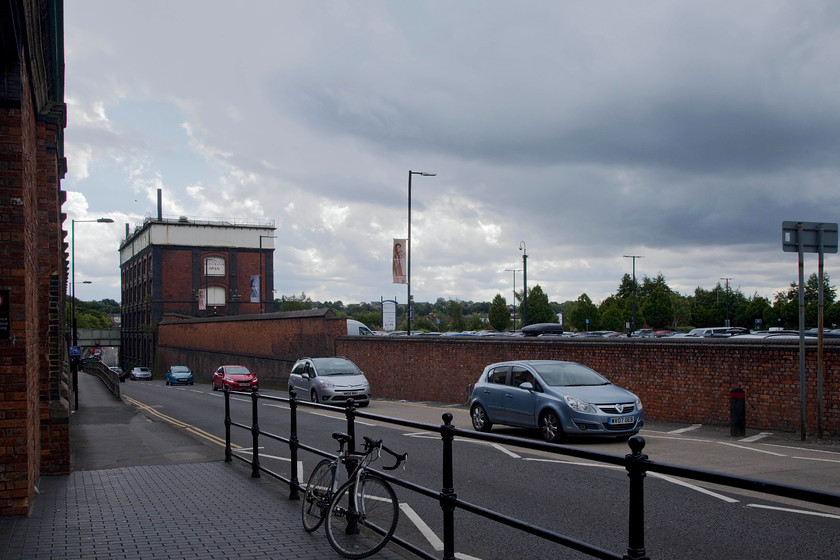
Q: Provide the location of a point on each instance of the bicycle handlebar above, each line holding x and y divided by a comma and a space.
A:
370, 445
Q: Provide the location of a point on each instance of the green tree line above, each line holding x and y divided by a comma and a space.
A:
650, 301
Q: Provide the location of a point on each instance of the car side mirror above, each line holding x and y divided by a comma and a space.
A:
527, 385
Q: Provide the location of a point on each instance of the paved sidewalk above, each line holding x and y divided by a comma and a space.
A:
143, 489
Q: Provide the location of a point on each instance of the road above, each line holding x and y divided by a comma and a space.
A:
580, 499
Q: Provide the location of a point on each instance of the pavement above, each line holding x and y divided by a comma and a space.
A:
142, 489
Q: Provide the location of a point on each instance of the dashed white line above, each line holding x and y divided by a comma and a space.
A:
752, 449
756, 437
817, 459
791, 510
421, 525
694, 487
686, 429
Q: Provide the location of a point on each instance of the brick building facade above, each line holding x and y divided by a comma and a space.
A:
34, 372
190, 268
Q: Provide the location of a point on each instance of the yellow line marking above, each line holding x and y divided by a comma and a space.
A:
175, 422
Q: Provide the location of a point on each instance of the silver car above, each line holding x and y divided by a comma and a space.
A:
329, 380
140, 372
559, 398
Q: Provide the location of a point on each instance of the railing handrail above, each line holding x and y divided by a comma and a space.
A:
636, 463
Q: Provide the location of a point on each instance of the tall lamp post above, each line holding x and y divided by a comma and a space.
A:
261, 269
633, 317
524, 249
75, 362
408, 275
514, 270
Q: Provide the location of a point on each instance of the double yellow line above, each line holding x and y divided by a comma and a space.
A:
178, 424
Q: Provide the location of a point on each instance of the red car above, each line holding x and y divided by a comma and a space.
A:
236, 378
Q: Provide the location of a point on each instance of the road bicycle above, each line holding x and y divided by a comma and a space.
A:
362, 513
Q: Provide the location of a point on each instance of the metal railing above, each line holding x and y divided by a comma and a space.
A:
636, 463
103, 372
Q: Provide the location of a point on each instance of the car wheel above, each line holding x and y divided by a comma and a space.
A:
480, 421
550, 427
214, 387
313, 397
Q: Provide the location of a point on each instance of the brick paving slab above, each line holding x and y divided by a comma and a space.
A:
172, 510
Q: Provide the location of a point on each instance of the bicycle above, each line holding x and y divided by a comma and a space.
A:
362, 513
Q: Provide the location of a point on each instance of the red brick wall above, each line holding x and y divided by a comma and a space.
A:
678, 381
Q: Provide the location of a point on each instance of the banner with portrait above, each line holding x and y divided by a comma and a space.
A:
398, 264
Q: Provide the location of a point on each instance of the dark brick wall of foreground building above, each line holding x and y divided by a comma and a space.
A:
678, 380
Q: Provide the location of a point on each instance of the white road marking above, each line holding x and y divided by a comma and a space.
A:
694, 487
818, 459
791, 510
421, 525
686, 429
756, 437
752, 449
506, 451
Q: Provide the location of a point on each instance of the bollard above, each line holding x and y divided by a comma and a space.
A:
737, 413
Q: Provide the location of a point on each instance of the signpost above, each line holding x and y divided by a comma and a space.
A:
810, 237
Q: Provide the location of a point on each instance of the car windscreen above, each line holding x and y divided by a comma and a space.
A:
569, 375
336, 366
237, 371
180, 369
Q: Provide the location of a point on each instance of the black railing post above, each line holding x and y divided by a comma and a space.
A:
293, 447
636, 471
350, 411
228, 451
255, 433
447, 493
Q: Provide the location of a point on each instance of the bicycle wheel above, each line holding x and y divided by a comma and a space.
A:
361, 527
317, 496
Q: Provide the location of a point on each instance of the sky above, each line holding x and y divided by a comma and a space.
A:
579, 133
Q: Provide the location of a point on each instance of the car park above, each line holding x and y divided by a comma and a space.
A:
140, 372
329, 380
559, 398
235, 378
179, 375
119, 371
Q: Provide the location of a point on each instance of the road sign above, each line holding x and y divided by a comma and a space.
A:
75, 350
810, 232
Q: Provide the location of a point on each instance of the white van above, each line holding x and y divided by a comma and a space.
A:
357, 328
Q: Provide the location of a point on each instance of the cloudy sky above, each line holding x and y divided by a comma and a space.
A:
683, 132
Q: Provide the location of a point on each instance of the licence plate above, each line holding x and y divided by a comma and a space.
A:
618, 420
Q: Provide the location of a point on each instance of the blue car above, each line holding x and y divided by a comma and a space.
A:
558, 398
179, 375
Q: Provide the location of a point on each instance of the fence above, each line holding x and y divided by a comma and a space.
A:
636, 463
108, 377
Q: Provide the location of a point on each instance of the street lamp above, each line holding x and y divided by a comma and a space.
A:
261, 268
514, 270
524, 249
73, 299
633, 317
408, 276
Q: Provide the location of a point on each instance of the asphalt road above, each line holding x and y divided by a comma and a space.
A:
580, 499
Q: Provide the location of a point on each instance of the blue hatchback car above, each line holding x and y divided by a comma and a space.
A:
558, 398
179, 375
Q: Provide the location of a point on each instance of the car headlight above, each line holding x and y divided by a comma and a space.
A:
327, 384
579, 405
638, 403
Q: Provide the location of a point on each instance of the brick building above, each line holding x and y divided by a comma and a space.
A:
34, 371
190, 268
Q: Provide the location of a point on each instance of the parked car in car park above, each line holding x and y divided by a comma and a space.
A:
140, 372
542, 328
329, 380
179, 375
119, 371
558, 398
235, 377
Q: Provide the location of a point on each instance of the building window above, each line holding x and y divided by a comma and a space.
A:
215, 295
214, 266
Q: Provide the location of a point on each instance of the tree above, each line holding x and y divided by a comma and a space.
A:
456, 315
294, 303
499, 313
539, 310
585, 311
611, 314
657, 308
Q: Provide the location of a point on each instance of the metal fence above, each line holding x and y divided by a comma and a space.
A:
636, 463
